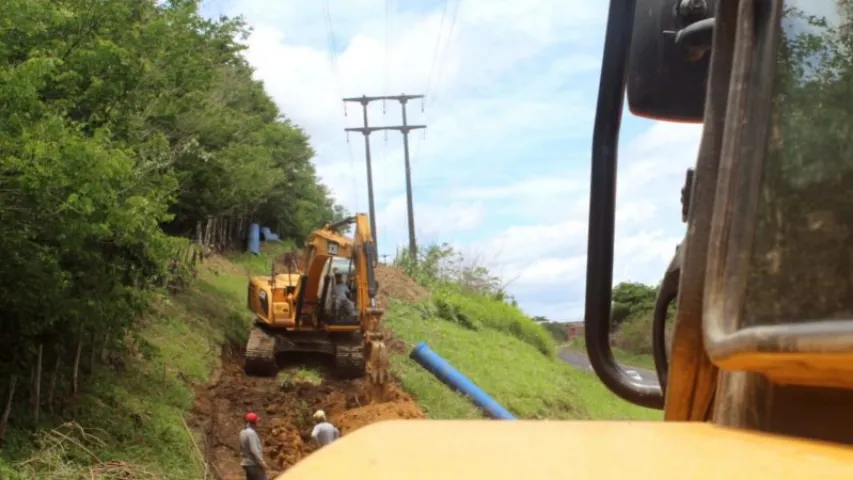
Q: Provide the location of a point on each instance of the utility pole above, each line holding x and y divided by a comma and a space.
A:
366, 130
405, 128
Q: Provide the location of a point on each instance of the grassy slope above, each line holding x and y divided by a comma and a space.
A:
139, 411
505, 358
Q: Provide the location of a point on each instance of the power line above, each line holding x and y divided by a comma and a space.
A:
446, 46
387, 76
333, 47
405, 128
354, 181
435, 48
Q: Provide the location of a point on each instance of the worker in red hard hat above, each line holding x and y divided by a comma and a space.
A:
252, 456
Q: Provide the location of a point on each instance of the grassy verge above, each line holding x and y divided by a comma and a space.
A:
134, 416
624, 357
510, 368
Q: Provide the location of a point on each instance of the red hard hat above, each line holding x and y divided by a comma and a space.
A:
251, 417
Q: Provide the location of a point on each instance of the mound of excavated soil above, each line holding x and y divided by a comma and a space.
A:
394, 283
285, 407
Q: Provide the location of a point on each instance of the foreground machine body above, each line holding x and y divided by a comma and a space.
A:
758, 381
295, 313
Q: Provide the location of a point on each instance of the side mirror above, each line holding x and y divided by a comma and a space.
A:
669, 58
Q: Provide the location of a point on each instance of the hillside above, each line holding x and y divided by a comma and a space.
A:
533, 385
133, 418
136, 145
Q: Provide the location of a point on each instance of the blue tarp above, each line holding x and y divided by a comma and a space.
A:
268, 236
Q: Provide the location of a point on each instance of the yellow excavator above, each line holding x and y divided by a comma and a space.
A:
758, 381
298, 312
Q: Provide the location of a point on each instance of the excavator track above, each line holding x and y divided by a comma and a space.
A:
349, 360
260, 354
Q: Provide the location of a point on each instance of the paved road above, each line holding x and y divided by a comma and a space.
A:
579, 360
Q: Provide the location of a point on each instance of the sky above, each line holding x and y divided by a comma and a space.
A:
502, 170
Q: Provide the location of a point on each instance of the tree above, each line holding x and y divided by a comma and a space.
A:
125, 122
631, 299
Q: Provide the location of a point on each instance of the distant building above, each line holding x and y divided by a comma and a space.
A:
573, 330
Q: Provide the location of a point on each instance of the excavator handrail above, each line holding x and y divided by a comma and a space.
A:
602, 211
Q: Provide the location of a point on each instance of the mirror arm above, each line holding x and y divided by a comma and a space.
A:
602, 210
695, 38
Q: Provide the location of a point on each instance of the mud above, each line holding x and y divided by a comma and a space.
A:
394, 283
285, 405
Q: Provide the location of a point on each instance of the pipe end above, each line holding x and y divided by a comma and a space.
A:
415, 351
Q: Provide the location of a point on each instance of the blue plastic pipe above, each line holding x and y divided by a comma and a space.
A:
268, 236
451, 377
254, 243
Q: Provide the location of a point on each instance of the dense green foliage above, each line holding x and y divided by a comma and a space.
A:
470, 296
123, 121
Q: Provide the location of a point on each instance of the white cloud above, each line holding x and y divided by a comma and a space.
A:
502, 171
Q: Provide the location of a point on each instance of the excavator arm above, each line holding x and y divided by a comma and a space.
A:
361, 250
370, 315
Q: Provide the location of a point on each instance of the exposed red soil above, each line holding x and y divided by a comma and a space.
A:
285, 406
394, 283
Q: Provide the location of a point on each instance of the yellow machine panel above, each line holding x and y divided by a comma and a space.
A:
578, 450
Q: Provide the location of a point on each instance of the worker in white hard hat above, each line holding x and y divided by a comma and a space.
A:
324, 432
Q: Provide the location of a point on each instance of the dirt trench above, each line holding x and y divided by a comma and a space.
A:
285, 405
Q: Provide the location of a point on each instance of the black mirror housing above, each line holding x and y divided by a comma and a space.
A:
669, 59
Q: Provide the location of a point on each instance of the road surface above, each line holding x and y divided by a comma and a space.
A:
579, 360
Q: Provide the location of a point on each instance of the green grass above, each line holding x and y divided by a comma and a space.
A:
514, 372
622, 356
478, 312
302, 375
136, 412
260, 264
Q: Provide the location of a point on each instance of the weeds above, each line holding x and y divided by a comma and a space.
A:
468, 295
64, 450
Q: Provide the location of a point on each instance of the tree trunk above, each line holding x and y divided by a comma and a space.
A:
223, 232
92, 352
206, 238
30, 384
103, 354
37, 387
7, 410
241, 233
214, 235
75, 369
51, 387
199, 241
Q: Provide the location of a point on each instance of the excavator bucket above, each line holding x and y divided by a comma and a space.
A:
378, 361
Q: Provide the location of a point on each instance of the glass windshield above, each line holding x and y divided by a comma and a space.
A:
802, 259
341, 265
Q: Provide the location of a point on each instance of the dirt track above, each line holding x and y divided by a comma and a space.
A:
286, 403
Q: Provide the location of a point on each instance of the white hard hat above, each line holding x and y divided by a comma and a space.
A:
319, 415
